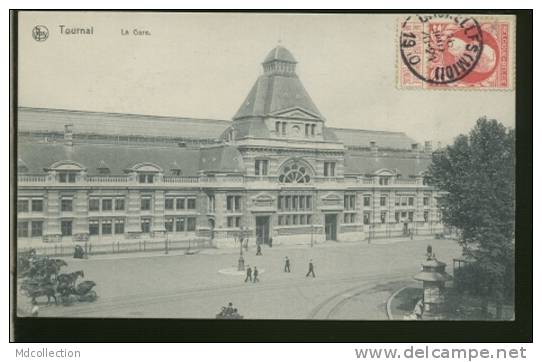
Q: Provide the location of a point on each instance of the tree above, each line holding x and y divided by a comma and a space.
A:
477, 177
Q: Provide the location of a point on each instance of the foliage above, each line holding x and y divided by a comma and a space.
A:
477, 175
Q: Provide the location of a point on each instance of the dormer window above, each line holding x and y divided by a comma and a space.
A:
103, 168
146, 178
66, 177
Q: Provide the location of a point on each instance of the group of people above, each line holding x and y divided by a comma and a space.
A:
252, 275
288, 270
229, 312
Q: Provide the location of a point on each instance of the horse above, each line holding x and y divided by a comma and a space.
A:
69, 279
34, 291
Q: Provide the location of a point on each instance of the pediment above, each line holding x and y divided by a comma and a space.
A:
296, 113
263, 200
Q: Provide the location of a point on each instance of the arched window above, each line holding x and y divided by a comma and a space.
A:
295, 172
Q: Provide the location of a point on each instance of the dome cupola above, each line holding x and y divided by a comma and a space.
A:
279, 61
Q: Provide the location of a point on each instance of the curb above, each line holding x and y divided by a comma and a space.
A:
388, 302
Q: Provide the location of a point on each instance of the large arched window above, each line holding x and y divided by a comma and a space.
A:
295, 172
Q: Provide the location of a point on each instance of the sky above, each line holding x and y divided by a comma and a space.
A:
203, 66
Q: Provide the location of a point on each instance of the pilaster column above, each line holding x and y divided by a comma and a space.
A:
52, 225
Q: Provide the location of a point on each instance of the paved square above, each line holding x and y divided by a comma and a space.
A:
353, 281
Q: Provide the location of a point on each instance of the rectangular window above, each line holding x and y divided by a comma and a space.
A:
383, 217
169, 204
287, 203
66, 177
179, 224
211, 203
366, 218
309, 202
37, 205
261, 167
287, 220
411, 216
302, 219
180, 204
66, 227
281, 220
411, 201
294, 220
281, 202
191, 204
294, 202
277, 127
169, 224
302, 202
403, 200
384, 180
307, 127
313, 129
145, 225
22, 229
66, 205
329, 169
284, 128
383, 200
119, 226
22, 205
93, 227
309, 218
397, 216
37, 228
230, 221
107, 205
106, 227
426, 216
146, 203
119, 204
190, 224
366, 200
426, 201
94, 205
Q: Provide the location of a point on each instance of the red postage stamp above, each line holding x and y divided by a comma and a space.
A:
444, 51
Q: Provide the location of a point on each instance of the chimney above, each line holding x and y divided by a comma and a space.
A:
428, 147
68, 135
374, 147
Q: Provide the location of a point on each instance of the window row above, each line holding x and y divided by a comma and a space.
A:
176, 224
108, 226
295, 219
29, 228
179, 203
107, 204
295, 203
24, 205
349, 218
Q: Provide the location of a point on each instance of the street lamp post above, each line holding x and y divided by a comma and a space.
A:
242, 234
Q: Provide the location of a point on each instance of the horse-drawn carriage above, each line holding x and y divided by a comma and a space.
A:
41, 277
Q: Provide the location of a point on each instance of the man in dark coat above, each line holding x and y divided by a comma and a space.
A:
249, 274
311, 269
259, 250
256, 275
286, 265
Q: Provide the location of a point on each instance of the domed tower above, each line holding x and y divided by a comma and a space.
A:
278, 106
278, 128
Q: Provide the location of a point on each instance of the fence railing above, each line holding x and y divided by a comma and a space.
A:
117, 247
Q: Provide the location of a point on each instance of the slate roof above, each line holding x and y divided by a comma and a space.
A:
118, 158
384, 139
223, 158
53, 120
364, 164
273, 93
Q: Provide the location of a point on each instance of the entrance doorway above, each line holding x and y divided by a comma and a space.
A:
331, 226
262, 230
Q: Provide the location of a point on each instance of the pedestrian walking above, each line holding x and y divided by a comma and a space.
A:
249, 274
311, 269
256, 275
411, 234
270, 242
418, 309
259, 250
286, 265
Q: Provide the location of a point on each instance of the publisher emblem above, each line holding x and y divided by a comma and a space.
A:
40, 33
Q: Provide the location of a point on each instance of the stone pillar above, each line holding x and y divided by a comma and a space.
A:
80, 230
52, 225
133, 204
158, 222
